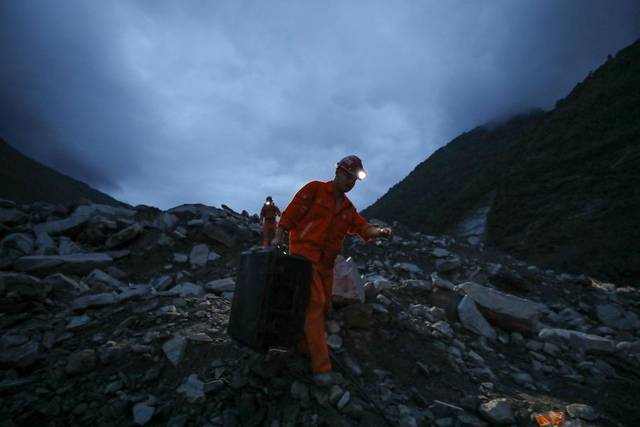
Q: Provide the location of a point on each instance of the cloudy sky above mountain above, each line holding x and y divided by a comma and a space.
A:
170, 102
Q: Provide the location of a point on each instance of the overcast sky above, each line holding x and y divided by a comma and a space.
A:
170, 102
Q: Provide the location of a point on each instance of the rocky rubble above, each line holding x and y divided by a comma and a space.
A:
117, 316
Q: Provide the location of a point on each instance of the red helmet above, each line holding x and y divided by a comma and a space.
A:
353, 165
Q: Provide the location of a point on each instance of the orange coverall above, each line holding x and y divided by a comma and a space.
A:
269, 213
316, 231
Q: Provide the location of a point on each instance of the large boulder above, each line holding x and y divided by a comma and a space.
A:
199, 255
587, 343
123, 236
506, 311
472, 319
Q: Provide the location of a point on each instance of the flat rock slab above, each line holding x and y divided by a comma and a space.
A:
71, 224
578, 340
76, 263
92, 301
103, 210
507, 311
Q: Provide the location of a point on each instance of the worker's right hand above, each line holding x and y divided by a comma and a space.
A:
276, 241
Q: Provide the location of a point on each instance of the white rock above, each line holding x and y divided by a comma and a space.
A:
228, 284
199, 255
407, 267
473, 320
142, 413
192, 388
174, 349
507, 311
440, 253
443, 327
188, 289
440, 282
334, 342
78, 321
180, 258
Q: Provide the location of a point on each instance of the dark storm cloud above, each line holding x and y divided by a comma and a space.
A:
165, 102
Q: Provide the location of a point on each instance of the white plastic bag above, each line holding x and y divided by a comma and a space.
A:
347, 283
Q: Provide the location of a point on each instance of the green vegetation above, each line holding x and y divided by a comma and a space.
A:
565, 183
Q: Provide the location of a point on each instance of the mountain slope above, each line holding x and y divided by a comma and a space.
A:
25, 180
563, 187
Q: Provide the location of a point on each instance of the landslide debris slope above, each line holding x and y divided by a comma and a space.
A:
117, 316
562, 187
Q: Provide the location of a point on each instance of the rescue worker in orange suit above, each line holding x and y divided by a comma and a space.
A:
317, 219
268, 215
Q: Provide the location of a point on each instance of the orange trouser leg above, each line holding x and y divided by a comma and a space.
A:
268, 231
314, 331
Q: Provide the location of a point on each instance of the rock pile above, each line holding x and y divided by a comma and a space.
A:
118, 316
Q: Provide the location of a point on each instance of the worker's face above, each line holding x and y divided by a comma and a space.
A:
345, 181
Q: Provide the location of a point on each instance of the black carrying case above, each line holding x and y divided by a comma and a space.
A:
270, 299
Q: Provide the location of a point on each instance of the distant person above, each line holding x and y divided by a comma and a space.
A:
268, 216
317, 219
